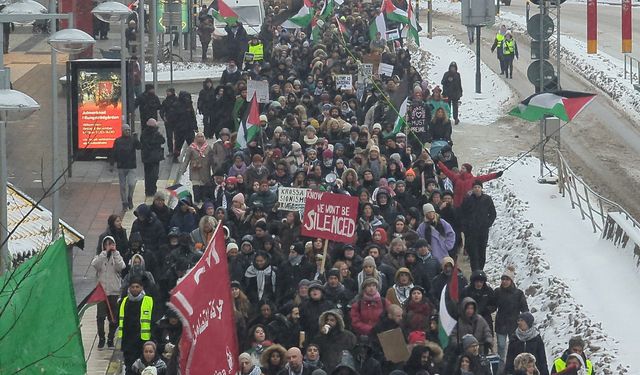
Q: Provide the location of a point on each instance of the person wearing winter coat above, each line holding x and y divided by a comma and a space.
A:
149, 104
471, 362
365, 363
417, 310
576, 346
370, 270
151, 143
440, 127
117, 231
452, 88
231, 74
526, 339
185, 216
247, 366
509, 52
427, 266
296, 268
168, 111
575, 365
478, 214
311, 309
203, 234
483, 295
333, 338
336, 292
124, 156
185, 123
167, 334
260, 281
150, 358
368, 307
510, 303
137, 270
161, 210
273, 359
425, 359
108, 265
463, 180
443, 278
221, 151
256, 171
525, 364
470, 322
198, 158
400, 293
205, 29
206, 99
437, 232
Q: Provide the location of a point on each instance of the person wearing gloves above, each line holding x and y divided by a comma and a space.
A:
526, 339
108, 264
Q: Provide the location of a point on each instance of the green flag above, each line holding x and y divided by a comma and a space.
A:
39, 328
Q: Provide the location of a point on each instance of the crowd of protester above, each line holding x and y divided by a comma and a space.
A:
299, 310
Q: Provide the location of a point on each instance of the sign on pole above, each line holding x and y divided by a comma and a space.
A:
292, 199
343, 81
330, 216
260, 89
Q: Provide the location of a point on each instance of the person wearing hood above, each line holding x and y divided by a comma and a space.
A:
347, 365
463, 180
260, 279
437, 232
425, 359
167, 334
367, 308
483, 295
400, 293
438, 283
161, 210
510, 303
576, 346
427, 266
452, 88
182, 249
108, 265
333, 338
150, 358
526, 339
203, 234
312, 308
197, 158
273, 359
185, 216
115, 230
149, 104
152, 154
137, 270
525, 364
231, 74
575, 366
285, 326
137, 318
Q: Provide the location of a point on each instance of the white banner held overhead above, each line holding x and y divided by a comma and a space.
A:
260, 88
291, 199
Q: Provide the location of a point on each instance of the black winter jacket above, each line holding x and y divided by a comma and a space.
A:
478, 213
124, 152
534, 346
510, 302
151, 145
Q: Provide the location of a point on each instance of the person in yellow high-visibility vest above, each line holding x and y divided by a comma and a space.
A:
256, 49
136, 317
509, 52
497, 44
576, 346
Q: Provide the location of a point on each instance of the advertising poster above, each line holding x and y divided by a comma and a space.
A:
180, 9
99, 120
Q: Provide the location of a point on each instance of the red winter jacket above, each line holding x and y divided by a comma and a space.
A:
463, 182
366, 314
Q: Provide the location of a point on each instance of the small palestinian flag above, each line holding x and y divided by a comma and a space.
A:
178, 191
97, 295
446, 320
564, 105
250, 125
224, 14
400, 100
393, 13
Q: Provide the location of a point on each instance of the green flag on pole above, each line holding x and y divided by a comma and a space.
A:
39, 328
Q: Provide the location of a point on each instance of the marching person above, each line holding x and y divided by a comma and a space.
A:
136, 317
497, 45
152, 154
509, 51
124, 156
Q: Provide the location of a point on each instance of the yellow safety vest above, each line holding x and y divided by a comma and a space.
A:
146, 308
499, 39
257, 51
561, 365
508, 47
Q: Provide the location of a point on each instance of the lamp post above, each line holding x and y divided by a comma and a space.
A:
14, 106
64, 41
113, 12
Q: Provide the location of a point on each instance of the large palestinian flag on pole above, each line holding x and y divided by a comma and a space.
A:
564, 105
250, 125
393, 13
302, 19
224, 14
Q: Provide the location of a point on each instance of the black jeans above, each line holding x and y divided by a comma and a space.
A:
182, 137
477, 249
103, 314
151, 172
508, 64
168, 128
207, 121
453, 103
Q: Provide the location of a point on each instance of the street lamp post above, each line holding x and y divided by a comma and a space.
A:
14, 106
113, 12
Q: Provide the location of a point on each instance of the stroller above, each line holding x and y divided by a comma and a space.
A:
436, 146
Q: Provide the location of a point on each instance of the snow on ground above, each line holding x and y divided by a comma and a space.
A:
187, 71
433, 59
601, 69
576, 283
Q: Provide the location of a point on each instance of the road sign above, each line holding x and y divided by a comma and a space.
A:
533, 72
533, 27
535, 49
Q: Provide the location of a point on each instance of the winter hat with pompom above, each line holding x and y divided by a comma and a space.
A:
510, 272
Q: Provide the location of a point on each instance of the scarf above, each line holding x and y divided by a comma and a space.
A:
201, 149
296, 260
137, 298
526, 335
373, 298
239, 212
260, 276
402, 292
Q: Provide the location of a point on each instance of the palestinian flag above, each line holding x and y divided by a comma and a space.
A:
316, 31
446, 322
302, 19
327, 10
400, 101
178, 191
224, 14
342, 29
394, 13
97, 295
378, 26
250, 125
412, 28
564, 105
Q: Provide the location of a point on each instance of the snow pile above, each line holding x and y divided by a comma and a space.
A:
566, 271
496, 95
186, 71
601, 69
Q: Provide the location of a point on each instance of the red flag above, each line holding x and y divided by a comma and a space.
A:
97, 295
453, 284
203, 300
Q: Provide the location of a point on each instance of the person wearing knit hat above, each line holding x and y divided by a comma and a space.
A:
232, 246
463, 181
576, 349
437, 231
427, 208
152, 122
263, 120
377, 126
410, 172
468, 341
370, 270
526, 340
510, 302
528, 319
367, 308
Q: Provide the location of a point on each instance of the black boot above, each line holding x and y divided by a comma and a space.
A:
101, 340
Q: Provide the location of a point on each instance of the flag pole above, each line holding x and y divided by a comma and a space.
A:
324, 256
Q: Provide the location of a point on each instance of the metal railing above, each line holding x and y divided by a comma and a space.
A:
629, 61
597, 209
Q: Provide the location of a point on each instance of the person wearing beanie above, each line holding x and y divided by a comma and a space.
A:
368, 307
334, 290
150, 359
438, 283
470, 322
152, 153
510, 302
312, 308
134, 330
576, 347
526, 340
478, 214
124, 156
437, 232
370, 270
463, 180
483, 294
375, 163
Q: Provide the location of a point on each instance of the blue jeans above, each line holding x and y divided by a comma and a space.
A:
127, 178
502, 346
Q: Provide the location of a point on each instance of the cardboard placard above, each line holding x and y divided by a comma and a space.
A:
343, 81
330, 216
394, 346
248, 57
385, 69
392, 35
260, 88
292, 199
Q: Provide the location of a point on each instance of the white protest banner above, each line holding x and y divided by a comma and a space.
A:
392, 35
291, 199
385, 69
343, 81
260, 88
